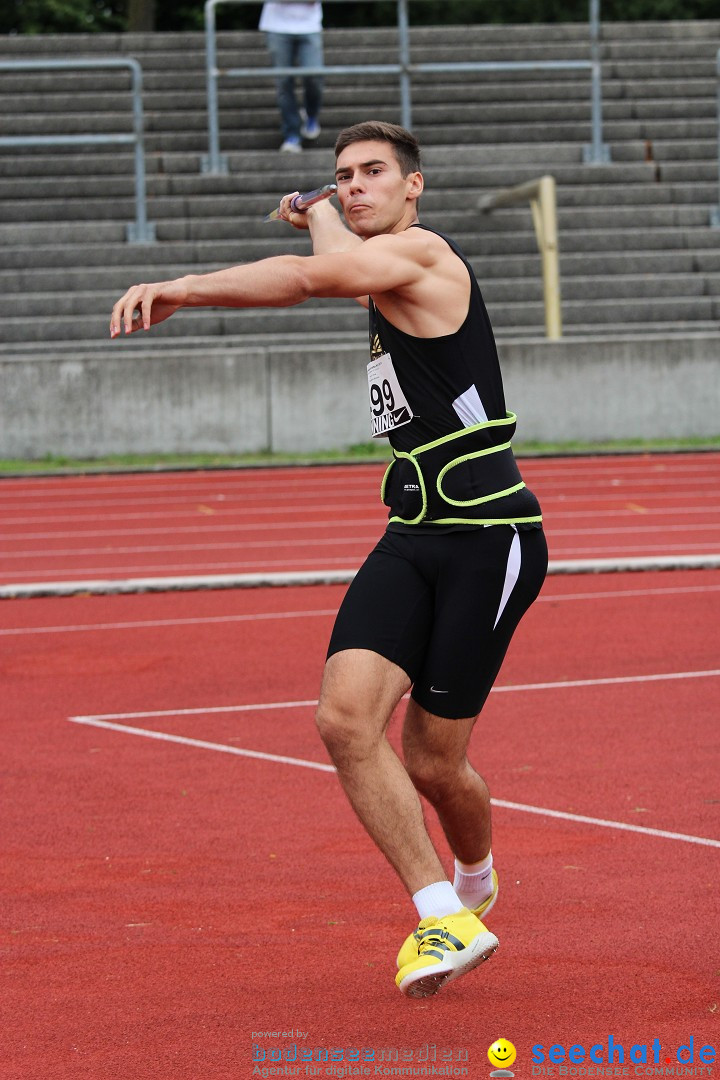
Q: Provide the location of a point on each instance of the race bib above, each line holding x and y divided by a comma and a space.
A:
388, 406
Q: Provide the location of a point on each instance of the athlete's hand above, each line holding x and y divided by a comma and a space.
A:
297, 219
144, 306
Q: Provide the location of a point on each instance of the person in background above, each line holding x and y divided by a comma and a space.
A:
293, 33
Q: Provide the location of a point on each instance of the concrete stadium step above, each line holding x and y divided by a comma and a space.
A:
635, 245
214, 211
90, 301
135, 264
182, 191
523, 315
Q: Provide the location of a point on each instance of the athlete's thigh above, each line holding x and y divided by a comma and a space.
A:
487, 579
360, 690
388, 608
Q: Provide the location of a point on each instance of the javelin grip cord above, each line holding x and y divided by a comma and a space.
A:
300, 203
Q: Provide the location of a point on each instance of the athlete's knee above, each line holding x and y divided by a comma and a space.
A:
341, 728
435, 777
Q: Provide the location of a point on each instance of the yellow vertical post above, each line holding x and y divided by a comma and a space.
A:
543, 205
544, 213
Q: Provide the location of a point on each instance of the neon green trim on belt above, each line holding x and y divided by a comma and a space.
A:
510, 419
423, 492
483, 498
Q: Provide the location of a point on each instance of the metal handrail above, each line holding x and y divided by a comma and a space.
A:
715, 210
595, 153
543, 204
141, 231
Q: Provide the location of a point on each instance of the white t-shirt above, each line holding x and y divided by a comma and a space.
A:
291, 17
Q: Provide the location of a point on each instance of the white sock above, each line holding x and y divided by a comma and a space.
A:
473, 881
437, 900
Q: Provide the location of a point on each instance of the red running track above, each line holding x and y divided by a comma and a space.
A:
327, 518
165, 902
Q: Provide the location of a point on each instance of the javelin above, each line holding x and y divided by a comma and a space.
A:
300, 203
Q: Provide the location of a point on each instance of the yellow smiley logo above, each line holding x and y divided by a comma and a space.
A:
502, 1053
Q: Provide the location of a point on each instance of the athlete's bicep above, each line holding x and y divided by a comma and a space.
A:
376, 267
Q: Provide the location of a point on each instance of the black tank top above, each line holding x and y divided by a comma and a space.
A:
435, 372
450, 382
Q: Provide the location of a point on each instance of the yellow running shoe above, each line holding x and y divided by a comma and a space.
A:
447, 948
409, 948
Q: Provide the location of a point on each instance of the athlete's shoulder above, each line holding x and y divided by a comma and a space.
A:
421, 245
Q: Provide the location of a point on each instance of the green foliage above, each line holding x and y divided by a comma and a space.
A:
61, 16
89, 16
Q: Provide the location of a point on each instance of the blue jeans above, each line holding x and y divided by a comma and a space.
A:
297, 50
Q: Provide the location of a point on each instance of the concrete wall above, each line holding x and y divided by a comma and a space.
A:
251, 399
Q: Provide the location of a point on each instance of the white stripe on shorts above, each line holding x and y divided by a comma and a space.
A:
512, 573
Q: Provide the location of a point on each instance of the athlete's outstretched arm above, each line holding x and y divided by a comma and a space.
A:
328, 232
381, 264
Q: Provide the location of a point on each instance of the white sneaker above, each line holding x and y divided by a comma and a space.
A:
310, 129
291, 145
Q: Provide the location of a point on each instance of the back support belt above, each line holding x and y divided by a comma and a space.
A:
469, 477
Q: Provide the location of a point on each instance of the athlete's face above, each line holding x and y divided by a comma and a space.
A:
375, 197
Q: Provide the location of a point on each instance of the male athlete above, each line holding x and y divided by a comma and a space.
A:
435, 605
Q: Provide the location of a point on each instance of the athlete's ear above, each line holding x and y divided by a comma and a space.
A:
416, 185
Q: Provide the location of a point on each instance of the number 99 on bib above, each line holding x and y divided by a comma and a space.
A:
388, 406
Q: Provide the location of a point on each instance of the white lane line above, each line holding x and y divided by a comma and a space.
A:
608, 555
261, 565
639, 525
326, 576
292, 540
547, 497
235, 495
610, 681
371, 505
511, 688
603, 823
260, 616
615, 474
250, 481
215, 527
200, 620
232, 483
320, 766
202, 744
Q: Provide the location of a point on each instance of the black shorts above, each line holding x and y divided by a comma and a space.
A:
444, 608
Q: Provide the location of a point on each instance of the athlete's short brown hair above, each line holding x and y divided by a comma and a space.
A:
404, 143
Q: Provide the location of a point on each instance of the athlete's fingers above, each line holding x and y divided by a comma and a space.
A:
285, 207
131, 311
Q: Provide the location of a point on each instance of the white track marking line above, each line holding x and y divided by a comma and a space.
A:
371, 506
611, 471
202, 744
320, 766
510, 688
583, 820
609, 681
216, 527
562, 496
193, 568
202, 620
97, 534
292, 540
618, 471
301, 563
